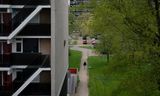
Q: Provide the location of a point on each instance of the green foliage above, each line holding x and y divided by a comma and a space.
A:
72, 23
82, 22
127, 30
88, 47
75, 59
120, 79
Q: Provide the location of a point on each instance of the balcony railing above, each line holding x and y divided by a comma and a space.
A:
5, 60
21, 16
36, 30
32, 59
23, 2
39, 62
35, 61
5, 93
29, 7
5, 1
37, 89
32, 89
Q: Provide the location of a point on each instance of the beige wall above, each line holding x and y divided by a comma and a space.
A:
45, 46
45, 77
45, 16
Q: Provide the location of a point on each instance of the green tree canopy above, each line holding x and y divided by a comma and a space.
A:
127, 30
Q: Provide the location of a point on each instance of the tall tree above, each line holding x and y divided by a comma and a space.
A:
128, 29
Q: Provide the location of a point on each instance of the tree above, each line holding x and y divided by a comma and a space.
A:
128, 30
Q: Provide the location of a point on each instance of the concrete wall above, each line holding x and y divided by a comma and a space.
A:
59, 44
45, 46
45, 16
45, 77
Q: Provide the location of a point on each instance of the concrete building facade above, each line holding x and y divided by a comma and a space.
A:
33, 47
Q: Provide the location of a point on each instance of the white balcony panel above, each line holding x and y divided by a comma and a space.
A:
29, 80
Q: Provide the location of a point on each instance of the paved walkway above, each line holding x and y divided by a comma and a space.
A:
82, 89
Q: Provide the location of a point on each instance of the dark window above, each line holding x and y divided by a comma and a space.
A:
0, 48
18, 47
30, 45
18, 39
3, 10
7, 48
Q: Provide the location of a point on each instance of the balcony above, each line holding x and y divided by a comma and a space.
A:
30, 59
23, 2
5, 93
2, 30
36, 30
37, 89
21, 19
5, 1
36, 63
5, 60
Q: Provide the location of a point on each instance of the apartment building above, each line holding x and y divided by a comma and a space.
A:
33, 47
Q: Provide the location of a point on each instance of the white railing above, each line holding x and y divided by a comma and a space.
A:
29, 80
24, 23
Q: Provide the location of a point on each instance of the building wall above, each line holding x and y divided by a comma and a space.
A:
35, 19
64, 87
45, 16
59, 59
45, 77
45, 46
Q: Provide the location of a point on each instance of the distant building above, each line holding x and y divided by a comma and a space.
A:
77, 12
77, 2
33, 47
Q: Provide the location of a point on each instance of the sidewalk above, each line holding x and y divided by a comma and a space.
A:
82, 89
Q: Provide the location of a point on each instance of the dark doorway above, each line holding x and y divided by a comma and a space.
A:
30, 45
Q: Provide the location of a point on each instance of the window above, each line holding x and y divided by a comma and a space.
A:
18, 39
18, 47
30, 45
3, 10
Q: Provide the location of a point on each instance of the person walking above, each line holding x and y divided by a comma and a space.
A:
84, 64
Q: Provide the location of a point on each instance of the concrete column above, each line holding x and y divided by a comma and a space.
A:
53, 48
59, 44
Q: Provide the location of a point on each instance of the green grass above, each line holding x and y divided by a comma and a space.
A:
75, 59
99, 85
88, 47
111, 79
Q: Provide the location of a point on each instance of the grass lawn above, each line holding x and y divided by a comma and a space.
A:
75, 59
110, 80
96, 79
88, 47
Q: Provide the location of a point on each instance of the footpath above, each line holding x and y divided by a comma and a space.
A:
82, 89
